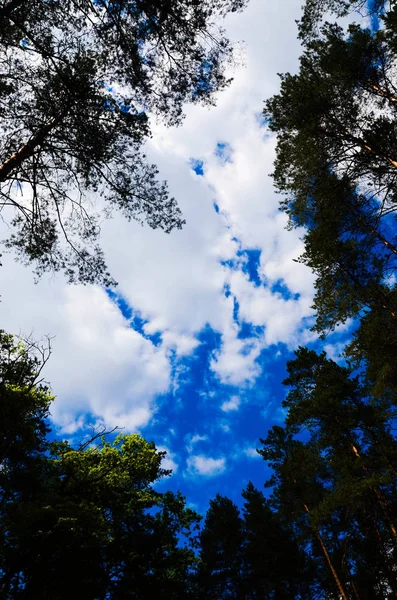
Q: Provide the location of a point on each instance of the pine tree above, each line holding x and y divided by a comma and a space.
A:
78, 82
221, 552
336, 125
274, 567
353, 435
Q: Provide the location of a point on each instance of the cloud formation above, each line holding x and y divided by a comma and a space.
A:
205, 465
217, 166
232, 404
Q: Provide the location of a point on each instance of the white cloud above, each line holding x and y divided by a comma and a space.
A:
225, 427
102, 366
243, 452
195, 439
251, 452
205, 465
232, 404
334, 351
198, 438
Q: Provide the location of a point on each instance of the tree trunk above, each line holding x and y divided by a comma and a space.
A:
335, 575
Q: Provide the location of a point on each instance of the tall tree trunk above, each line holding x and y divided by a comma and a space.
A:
387, 512
335, 575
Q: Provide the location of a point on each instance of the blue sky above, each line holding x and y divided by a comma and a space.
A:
190, 349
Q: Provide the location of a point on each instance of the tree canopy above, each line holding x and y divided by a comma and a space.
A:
78, 82
335, 166
334, 461
315, 10
85, 518
89, 517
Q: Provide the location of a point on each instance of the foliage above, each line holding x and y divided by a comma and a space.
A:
24, 400
86, 518
78, 81
328, 527
315, 10
243, 555
335, 476
335, 165
335, 460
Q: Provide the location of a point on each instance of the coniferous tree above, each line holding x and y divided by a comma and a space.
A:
315, 10
300, 482
354, 432
336, 124
335, 461
78, 81
221, 558
335, 478
373, 352
274, 567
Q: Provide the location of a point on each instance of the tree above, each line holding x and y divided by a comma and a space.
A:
347, 249
315, 10
78, 81
98, 517
243, 555
335, 165
274, 567
24, 401
334, 463
373, 352
349, 456
300, 482
338, 114
220, 572
85, 518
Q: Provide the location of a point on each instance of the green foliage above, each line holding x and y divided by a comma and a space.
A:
335, 475
24, 401
86, 518
374, 349
336, 168
78, 81
220, 572
337, 114
274, 566
243, 556
334, 463
99, 517
91, 518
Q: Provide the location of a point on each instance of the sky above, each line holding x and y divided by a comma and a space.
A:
190, 348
